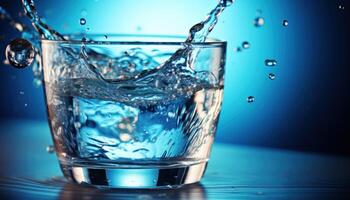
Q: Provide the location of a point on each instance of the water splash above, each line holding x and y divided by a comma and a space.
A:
43, 29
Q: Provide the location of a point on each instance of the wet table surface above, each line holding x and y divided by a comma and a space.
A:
27, 171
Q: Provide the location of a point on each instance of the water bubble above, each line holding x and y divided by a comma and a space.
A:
106, 37
285, 23
82, 21
50, 149
25, 105
259, 21
20, 53
272, 76
270, 62
341, 7
124, 137
245, 45
21, 92
250, 99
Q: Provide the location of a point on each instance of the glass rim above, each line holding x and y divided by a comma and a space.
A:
211, 42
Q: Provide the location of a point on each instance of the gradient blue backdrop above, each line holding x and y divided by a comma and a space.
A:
305, 108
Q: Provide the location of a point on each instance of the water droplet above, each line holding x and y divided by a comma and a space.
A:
245, 45
106, 37
20, 53
37, 82
272, 76
259, 21
238, 49
50, 149
285, 23
250, 99
227, 3
270, 62
82, 21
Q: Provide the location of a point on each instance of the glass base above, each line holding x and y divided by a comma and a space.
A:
139, 178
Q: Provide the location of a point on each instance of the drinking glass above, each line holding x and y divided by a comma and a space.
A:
133, 111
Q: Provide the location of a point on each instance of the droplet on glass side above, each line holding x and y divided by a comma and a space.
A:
20, 53
245, 45
270, 62
82, 21
50, 149
259, 21
272, 76
250, 99
37, 82
285, 23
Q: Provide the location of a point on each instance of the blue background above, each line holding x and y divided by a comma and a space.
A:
307, 106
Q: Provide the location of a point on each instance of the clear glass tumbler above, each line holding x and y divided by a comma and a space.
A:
129, 112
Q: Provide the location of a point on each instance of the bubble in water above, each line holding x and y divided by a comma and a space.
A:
50, 149
270, 62
259, 21
124, 137
20, 53
272, 76
250, 99
245, 45
285, 23
82, 21
341, 7
106, 37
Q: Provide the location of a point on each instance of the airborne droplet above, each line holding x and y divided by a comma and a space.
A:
259, 21
270, 62
227, 3
82, 21
245, 45
50, 149
272, 76
250, 99
20, 53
